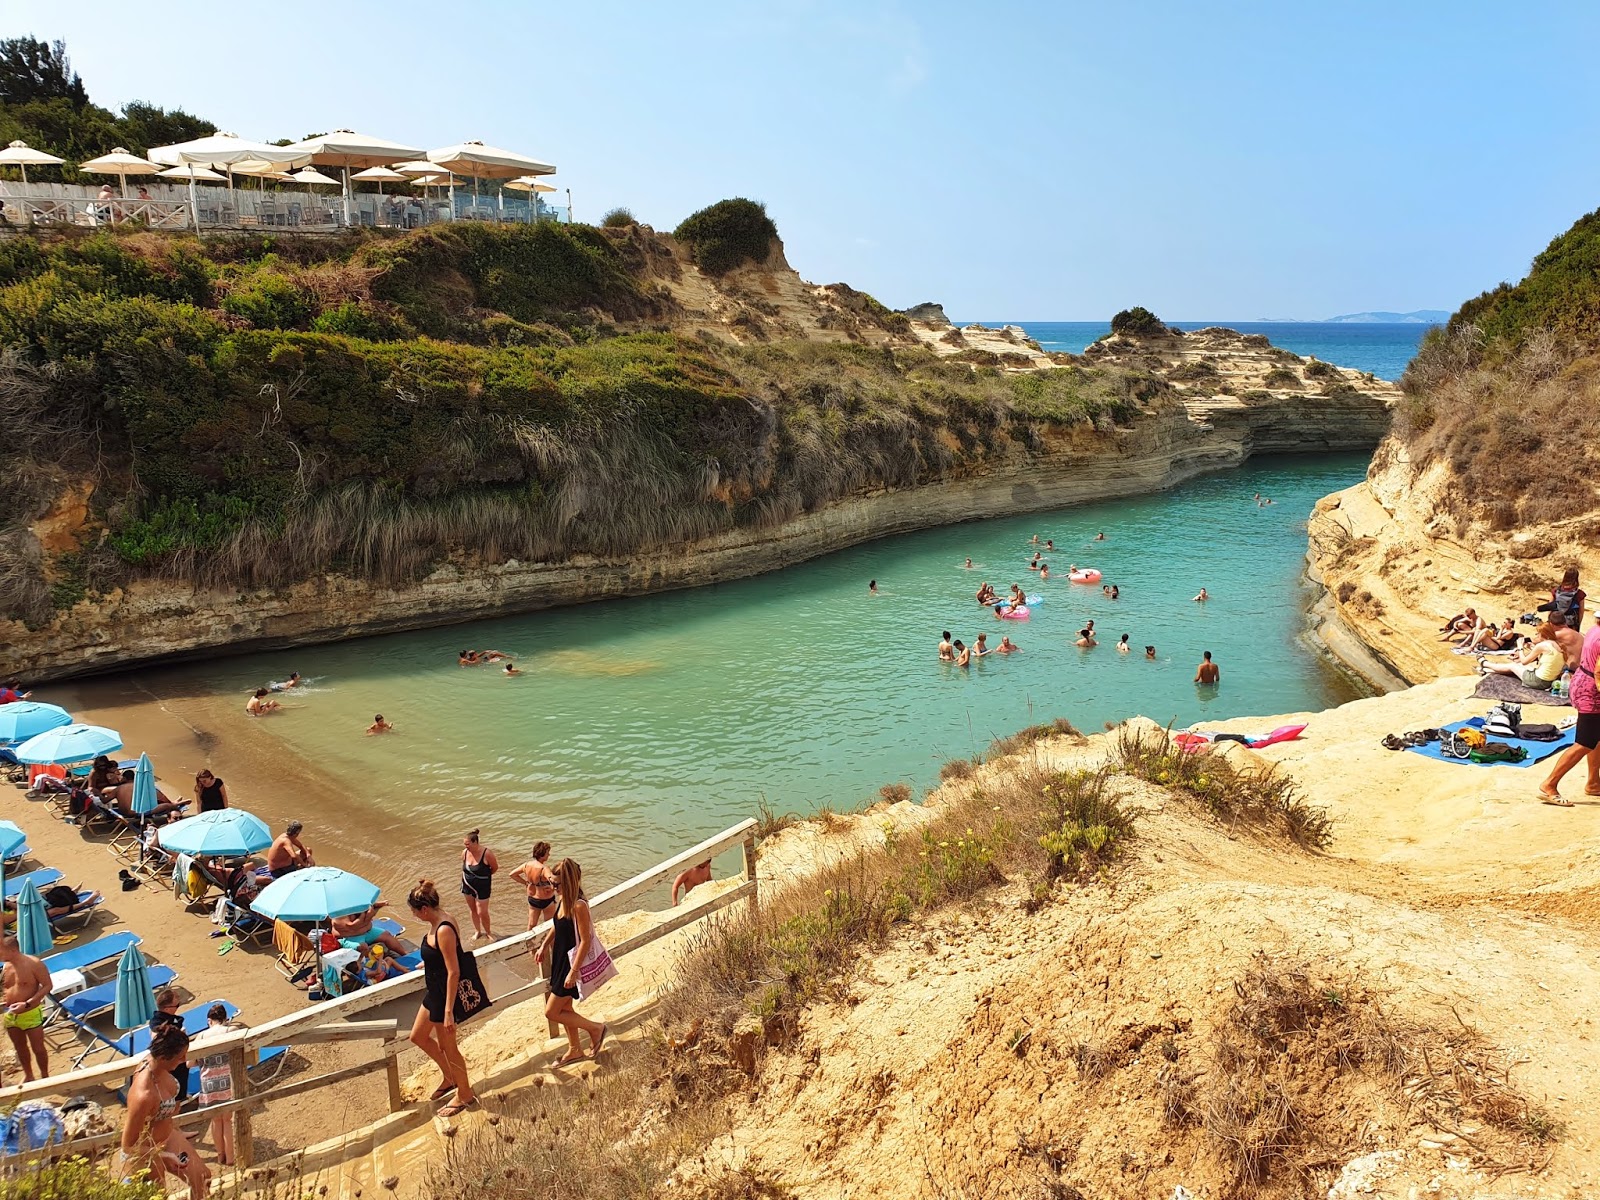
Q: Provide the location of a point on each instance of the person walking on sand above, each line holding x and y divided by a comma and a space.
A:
563, 951
453, 992
541, 885
689, 879
25, 982
210, 791
151, 1142
1207, 673
478, 865
1585, 698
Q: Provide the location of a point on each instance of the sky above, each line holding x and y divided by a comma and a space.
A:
1050, 161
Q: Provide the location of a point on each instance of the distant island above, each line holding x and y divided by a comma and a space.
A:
1422, 316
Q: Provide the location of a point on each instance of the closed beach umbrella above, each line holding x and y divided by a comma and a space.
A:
12, 839
314, 894
33, 922
121, 164
354, 152
20, 154
144, 787
68, 744
222, 833
136, 1002
24, 719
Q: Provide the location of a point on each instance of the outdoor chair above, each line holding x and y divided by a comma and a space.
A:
101, 999
244, 926
41, 879
91, 955
78, 915
295, 951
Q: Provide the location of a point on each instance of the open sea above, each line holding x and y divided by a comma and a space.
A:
1382, 349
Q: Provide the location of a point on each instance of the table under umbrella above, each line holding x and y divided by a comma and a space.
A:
353, 152
21, 155
121, 164
487, 162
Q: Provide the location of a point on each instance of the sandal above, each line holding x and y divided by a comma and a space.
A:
1390, 742
456, 1109
443, 1090
567, 1059
599, 1042
1557, 800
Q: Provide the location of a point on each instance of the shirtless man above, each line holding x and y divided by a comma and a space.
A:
1101, 536
293, 681
357, 932
1202, 596
288, 852
1007, 646
947, 652
121, 799
969, 564
26, 983
150, 1140
467, 658
963, 655
1150, 653
1208, 672
511, 668
259, 706
692, 878
1086, 636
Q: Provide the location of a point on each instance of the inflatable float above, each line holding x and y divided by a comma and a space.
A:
1199, 740
1085, 575
1035, 600
1019, 613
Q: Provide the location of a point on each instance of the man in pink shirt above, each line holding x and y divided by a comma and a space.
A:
1585, 697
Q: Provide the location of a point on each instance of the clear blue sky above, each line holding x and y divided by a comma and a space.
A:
1029, 161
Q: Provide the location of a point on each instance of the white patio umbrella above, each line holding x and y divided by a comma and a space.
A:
354, 152
487, 162
381, 175
20, 154
531, 185
121, 164
225, 150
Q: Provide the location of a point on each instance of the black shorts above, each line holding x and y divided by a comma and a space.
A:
1588, 730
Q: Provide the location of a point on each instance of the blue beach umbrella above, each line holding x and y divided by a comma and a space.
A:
12, 839
33, 922
144, 787
68, 744
25, 719
315, 893
136, 1002
221, 833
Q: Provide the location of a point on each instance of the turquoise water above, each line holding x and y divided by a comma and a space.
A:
1382, 349
644, 725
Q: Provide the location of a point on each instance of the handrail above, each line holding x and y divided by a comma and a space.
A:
311, 1025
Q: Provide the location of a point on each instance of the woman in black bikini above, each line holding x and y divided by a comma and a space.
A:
541, 887
478, 865
453, 992
563, 949
210, 791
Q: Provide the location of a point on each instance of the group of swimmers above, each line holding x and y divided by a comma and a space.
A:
961, 654
482, 658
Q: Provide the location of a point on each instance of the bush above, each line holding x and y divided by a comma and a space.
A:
728, 234
1280, 377
270, 301
1317, 369
618, 218
356, 320
1084, 826
1193, 371
75, 1179
1138, 323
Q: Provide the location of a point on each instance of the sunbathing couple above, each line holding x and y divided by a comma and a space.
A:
1472, 634
1540, 663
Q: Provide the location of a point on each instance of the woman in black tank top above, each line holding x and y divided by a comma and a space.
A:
210, 791
452, 992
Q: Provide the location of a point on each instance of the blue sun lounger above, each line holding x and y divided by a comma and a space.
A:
93, 954
194, 1022
102, 998
40, 879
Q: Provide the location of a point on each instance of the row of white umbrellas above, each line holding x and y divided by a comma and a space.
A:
360, 156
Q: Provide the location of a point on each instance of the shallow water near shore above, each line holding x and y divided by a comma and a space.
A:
641, 726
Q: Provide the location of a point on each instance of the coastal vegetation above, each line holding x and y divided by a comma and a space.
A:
252, 410
728, 234
1499, 393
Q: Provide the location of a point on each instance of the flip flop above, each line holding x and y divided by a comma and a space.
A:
600, 1042
1556, 801
566, 1060
456, 1109
1390, 742
443, 1090
226, 946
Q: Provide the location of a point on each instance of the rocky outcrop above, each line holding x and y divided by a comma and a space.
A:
157, 621
927, 314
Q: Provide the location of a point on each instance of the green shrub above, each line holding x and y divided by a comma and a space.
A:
1084, 827
728, 234
1317, 369
1137, 323
269, 300
75, 1179
1280, 377
356, 320
618, 218
1193, 371
171, 525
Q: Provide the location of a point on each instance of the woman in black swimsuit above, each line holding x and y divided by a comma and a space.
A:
452, 992
563, 949
210, 791
478, 865
541, 887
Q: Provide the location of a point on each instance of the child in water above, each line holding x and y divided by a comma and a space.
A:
379, 725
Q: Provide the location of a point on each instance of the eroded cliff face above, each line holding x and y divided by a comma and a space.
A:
159, 621
1396, 565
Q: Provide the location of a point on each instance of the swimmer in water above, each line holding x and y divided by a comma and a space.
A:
379, 725
963, 655
511, 668
1150, 652
1049, 544
1034, 540
1116, 592
259, 706
1202, 596
1044, 570
1086, 636
1105, 590
490, 656
982, 647
293, 681
947, 652
1122, 646
872, 588
1101, 536
1007, 646
1208, 672
467, 658
1034, 565
969, 564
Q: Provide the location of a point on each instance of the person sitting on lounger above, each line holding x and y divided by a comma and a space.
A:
288, 852
1537, 667
60, 901
357, 932
120, 802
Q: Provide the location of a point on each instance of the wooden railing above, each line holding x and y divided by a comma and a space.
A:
311, 1025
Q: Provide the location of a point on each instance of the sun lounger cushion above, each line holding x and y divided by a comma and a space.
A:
40, 879
92, 953
102, 998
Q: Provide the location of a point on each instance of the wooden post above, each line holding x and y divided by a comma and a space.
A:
244, 1150
391, 1055
750, 865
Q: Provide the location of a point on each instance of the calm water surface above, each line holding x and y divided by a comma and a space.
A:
644, 725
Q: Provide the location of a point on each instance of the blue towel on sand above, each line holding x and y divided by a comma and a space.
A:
1536, 750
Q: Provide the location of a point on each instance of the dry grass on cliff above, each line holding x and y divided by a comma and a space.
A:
1517, 435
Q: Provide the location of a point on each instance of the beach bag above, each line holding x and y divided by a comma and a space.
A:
596, 969
1537, 732
1497, 752
1503, 720
327, 942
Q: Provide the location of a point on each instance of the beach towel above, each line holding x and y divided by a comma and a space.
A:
1536, 750
1504, 687
181, 866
